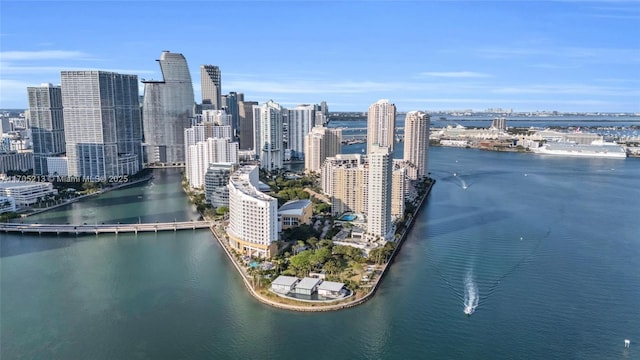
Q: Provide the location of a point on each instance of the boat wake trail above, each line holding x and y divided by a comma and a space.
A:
471, 294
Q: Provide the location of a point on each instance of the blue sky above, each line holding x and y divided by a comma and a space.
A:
427, 55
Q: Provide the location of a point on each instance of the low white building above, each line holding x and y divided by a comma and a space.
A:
284, 284
26, 193
307, 286
331, 289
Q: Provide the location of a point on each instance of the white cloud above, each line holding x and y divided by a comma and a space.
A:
456, 74
44, 55
13, 92
315, 86
568, 89
584, 54
7, 67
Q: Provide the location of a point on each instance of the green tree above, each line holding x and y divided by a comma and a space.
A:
313, 242
222, 210
320, 256
301, 263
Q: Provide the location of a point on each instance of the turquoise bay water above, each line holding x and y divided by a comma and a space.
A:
551, 247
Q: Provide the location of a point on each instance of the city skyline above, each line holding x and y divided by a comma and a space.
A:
547, 55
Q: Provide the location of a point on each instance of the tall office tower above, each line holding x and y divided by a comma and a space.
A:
245, 131
231, 107
381, 125
268, 135
300, 121
47, 125
167, 110
210, 85
416, 141
380, 179
253, 215
320, 144
103, 130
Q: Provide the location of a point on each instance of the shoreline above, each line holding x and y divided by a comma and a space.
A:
78, 198
322, 308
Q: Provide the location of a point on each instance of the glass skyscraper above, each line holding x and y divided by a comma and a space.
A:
210, 86
47, 125
168, 108
103, 130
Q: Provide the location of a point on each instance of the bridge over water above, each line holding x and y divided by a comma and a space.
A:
102, 228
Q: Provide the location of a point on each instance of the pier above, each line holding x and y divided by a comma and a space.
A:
102, 228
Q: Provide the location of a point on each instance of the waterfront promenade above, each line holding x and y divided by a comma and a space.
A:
218, 233
101, 228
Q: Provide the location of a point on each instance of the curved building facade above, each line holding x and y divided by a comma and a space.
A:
168, 107
253, 215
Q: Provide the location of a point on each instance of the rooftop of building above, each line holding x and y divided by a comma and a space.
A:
284, 280
294, 207
331, 286
19, 184
308, 283
241, 180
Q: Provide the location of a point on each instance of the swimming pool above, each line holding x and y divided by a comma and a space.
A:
347, 217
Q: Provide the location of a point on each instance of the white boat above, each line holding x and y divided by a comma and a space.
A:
468, 310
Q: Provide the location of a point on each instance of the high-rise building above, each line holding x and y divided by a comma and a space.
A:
47, 125
268, 135
398, 191
416, 141
253, 215
300, 121
205, 145
216, 117
216, 181
320, 144
167, 110
499, 123
381, 125
380, 161
245, 132
210, 82
231, 107
103, 130
345, 179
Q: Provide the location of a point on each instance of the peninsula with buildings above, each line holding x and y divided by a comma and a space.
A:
317, 239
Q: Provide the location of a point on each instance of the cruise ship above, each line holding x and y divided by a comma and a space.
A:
599, 149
